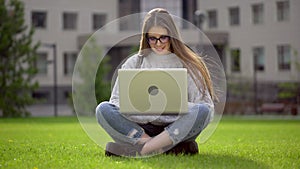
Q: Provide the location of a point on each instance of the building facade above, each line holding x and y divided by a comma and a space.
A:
61, 23
263, 46
256, 39
259, 31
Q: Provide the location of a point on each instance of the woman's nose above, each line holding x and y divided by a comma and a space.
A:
158, 43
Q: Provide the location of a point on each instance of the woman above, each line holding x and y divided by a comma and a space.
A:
160, 47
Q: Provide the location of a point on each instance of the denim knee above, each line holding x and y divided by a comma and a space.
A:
202, 117
117, 126
102, 109
190, 125
203, 112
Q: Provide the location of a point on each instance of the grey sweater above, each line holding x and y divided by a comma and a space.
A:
162, 61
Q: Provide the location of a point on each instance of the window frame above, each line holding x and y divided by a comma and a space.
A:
283, 14
284, 57
39, 62
98, 25
67, 24
68, 69
212, 16
234, 16
258, 51
39, 19
257, 13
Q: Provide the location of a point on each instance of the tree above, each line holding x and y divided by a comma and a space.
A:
18, 57
90, 85
102, 85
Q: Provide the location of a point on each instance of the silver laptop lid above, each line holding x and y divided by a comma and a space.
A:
153, 91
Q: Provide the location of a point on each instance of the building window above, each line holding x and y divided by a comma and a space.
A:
69, 21
128, 7
257, 13
212, 18
42, 63
39, 19
283, 11
99, 20
259, 58
188, 12
67, 96
235, 60
234, 16
41, 95
284, 57
69, 62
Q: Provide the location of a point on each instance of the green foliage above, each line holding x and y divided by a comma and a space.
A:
288, 90
134, 49
237, 143
18, 57
102, 84
90, 85
297, 62
235, 57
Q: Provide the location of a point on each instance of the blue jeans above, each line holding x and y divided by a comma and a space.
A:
122, 130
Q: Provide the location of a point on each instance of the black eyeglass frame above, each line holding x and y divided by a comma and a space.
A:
158, 39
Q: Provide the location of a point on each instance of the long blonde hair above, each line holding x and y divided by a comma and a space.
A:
191, 61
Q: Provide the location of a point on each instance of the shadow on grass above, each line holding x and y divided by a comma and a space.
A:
195, 161
230, 161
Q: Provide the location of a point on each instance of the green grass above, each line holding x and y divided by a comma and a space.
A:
237, 143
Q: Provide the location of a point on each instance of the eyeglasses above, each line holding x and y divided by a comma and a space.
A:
162, 39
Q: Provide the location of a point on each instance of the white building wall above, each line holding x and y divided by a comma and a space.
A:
66, 40
245, 36
269, 34
174, 7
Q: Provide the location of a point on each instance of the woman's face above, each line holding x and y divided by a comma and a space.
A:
159, 40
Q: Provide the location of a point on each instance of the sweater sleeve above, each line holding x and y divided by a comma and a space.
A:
130, 63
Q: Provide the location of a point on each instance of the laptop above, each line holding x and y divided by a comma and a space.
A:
153, 91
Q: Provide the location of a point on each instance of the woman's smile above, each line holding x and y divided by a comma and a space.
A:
159, 40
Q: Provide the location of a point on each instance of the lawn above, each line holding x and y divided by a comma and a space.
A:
238, 142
